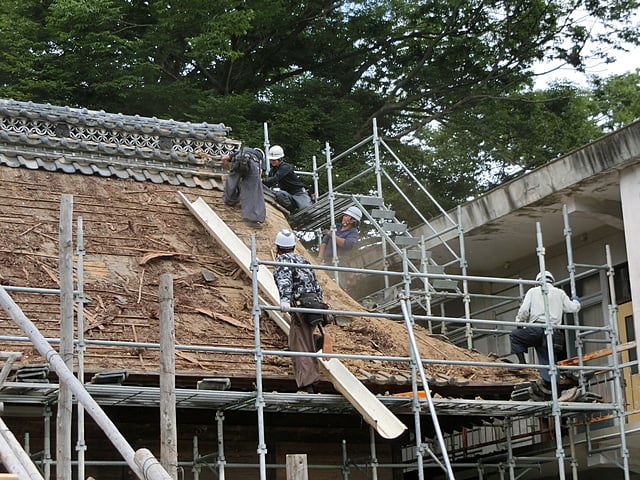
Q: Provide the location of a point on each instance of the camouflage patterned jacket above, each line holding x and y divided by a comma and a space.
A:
293, 282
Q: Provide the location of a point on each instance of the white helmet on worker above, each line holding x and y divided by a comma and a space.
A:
275, 153
354, 212
285, 239
547, 275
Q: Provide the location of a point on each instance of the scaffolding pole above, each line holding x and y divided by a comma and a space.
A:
260, 403
147, 468
405, 304
81, 445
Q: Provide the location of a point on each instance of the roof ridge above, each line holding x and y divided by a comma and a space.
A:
78, 140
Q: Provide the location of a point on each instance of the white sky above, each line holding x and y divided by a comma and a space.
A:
626, 62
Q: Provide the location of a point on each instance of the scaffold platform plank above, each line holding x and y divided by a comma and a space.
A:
21, 393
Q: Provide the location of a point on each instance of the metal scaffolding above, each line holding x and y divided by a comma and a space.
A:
507, 443
445, 454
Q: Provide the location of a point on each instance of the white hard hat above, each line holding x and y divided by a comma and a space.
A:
548, 276
276, 152
354, 212
285, 239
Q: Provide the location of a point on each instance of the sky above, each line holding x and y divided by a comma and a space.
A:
626, 62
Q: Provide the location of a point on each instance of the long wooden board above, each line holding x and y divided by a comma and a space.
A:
598, 354
239, 252
365, 402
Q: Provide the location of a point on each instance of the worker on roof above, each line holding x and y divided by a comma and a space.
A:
347, 235
532, 316
291, 192
299, 287
243, 184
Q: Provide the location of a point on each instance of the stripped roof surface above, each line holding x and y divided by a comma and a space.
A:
135, 230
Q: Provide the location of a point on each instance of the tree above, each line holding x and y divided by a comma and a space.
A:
316, 71
616, 100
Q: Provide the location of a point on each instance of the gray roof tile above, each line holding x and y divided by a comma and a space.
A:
89, 142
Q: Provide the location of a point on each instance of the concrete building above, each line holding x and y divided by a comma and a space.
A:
574, 212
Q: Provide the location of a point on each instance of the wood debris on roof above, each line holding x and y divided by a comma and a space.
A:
135, 230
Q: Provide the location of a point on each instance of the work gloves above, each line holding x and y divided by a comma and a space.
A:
285, 305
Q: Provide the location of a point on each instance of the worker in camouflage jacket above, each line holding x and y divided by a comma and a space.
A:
299, 287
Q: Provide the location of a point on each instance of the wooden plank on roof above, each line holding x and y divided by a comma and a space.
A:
365, 402
597, 354
238, 251
374, 412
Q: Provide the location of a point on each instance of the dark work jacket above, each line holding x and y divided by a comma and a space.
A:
284, 177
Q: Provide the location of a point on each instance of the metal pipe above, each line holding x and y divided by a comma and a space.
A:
14, 457
345, 461
617, 381
374, 457
220, 461
415, 353
81, 446
553, 370
332, 212
260, 402
66, 376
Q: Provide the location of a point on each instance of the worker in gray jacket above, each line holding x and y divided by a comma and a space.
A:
533, 320
244, 186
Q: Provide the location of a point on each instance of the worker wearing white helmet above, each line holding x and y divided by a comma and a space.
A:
347, 235
532, 315
299, 287
291, 193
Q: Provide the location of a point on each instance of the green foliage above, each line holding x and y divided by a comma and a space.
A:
617, 100
485, 145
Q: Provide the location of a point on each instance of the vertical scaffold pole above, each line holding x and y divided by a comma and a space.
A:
267, 164
579, 343
378, 172
374, 456
553, 369
221, 461
332, 208
260, 403
65, 396
81, 445
315, 177
508, 433
345, 461
466, 299
613, 335
405, 304
196, 455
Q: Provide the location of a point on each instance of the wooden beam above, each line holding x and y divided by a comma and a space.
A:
597, 354
168, 423
238, 251
374, 412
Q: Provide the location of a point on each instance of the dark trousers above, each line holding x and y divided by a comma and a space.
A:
523, 338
